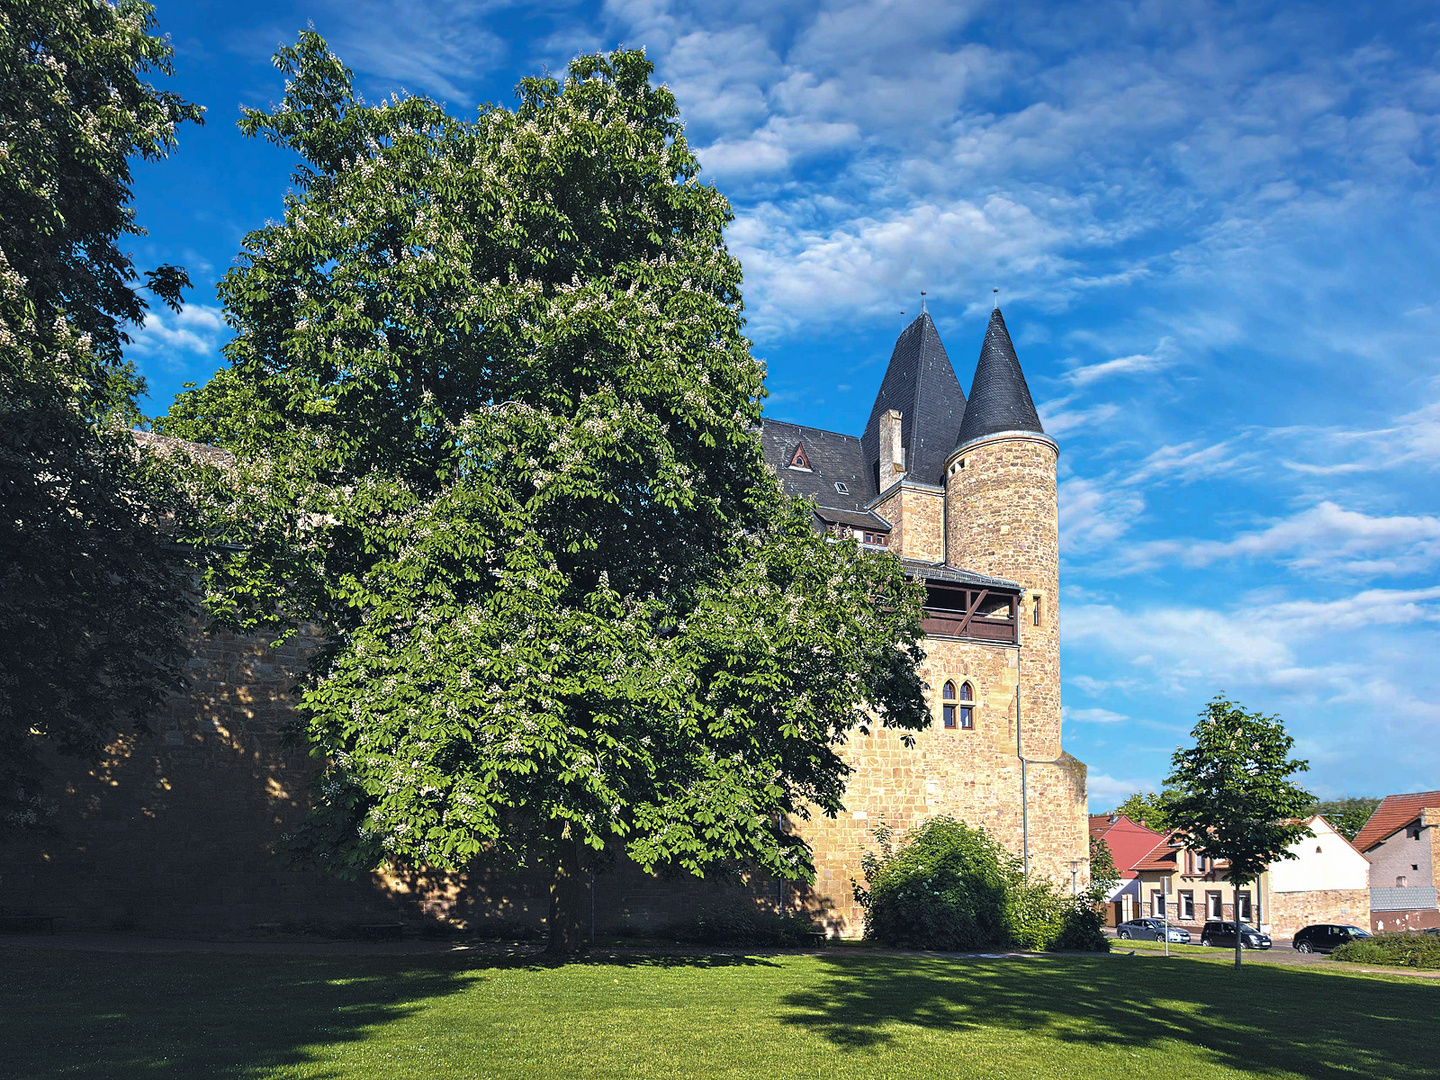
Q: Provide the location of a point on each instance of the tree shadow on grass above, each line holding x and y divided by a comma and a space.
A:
169, 1016
1266, 1019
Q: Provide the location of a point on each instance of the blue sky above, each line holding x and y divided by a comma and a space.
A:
1216, 234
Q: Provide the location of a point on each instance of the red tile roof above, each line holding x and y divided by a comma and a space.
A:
1161, 857
1127, 840
1393, 814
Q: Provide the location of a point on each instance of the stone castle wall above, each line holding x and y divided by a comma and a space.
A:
971, 775
173, 833
1002, 518
916, 513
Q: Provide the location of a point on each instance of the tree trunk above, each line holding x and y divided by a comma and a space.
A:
1239, 937
567, 902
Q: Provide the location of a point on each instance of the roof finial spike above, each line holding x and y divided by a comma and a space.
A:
922, 301
996, 305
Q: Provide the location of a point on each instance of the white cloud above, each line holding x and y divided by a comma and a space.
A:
439, 48
1094, 514
1092, 716
1107, 792
1136, 364
1327, 538
195, 329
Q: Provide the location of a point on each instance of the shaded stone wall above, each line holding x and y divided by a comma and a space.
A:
173, 833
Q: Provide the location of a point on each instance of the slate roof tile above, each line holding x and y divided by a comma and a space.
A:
999, 397
920, 382
1393, 814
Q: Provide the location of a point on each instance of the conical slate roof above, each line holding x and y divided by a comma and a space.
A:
999, 398
920, 383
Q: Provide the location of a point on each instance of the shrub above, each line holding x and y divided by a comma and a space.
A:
1396, 950
745, 925
951, 887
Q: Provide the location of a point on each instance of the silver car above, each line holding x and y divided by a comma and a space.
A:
1151, 930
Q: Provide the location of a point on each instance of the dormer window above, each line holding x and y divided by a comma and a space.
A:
878, 539
840, 488
798, 460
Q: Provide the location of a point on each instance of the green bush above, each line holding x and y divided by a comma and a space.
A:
1396, 950
954, 888
745, 925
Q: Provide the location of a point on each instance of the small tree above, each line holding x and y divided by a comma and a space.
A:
1233, 797
1104, 875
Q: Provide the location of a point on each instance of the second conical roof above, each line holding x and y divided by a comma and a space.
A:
999, 397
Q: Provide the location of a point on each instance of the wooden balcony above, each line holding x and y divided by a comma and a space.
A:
978, 614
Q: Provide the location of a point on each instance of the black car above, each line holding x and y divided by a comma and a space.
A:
1326, 937
1222, 932
1151, 930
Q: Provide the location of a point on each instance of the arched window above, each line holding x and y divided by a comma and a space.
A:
948, 710
798, 460
967, 706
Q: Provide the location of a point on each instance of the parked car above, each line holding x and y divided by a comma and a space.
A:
1151, 930
1431, 930
1326, 937
1222, 932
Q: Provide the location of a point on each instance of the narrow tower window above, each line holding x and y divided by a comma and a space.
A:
948, 694
967, 706
1035, 613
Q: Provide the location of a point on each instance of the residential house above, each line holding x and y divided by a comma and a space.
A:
1129, 842
1327, 881
1402, 842
1177, 884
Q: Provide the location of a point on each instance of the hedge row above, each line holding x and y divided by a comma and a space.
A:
1396, 950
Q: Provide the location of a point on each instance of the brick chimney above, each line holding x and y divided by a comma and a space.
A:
892, 453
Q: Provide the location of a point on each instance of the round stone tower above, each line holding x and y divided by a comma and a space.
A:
1002, 519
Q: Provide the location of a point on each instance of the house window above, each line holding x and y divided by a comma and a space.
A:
1157, 903
798, 460
878, 539
1244, 913
1200, 864
1187, 905
1401, 881
967, 706
1212, 905
1412, 832
948, 694
841, 488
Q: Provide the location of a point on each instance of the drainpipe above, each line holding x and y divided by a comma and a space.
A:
1024, 790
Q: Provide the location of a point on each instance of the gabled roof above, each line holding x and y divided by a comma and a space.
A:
1129, 841
1161, 857
1393, 814
999, 397
833, 458
1164, 857
920, 382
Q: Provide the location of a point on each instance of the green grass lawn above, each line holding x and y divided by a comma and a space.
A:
832, 1017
